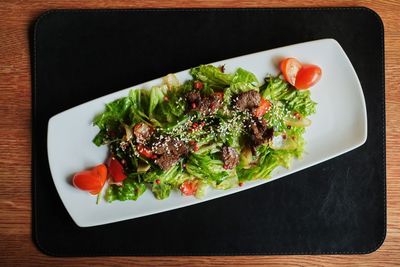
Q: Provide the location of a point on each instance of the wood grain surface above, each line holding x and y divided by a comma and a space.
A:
16, 246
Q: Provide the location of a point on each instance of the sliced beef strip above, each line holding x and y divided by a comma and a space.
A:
248, 100
259, 132
230, 157
256, 133
170, 150
204, 104
169, 145
193, 97
268, 134
166, 161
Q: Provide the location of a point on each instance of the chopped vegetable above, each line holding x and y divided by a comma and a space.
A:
189, 187
264, 106
116, 170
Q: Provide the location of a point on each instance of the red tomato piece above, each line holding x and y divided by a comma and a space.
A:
290, 67
144, 151
91, 180
116, 170
264, 106
307, 76
198, 85
189, 187
219, 95
194, 145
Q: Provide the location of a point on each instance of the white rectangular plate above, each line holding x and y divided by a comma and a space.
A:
339, 126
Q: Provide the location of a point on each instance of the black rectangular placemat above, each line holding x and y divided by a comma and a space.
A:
335, 207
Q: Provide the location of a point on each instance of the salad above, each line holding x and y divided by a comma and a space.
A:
216, 130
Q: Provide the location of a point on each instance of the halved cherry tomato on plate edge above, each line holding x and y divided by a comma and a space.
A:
301, 76
91, 180
307, 76
290, 67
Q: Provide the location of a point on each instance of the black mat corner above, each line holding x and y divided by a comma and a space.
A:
337, 207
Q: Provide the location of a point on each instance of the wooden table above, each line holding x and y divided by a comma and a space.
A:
16, 246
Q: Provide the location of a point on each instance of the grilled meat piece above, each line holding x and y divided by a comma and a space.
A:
169, 149
230, 157
248, 100
142, 132
259, 132
166, 161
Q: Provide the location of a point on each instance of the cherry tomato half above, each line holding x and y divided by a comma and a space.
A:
189, 187
116, 170
264, 106
307, 76
290, 67
91, 180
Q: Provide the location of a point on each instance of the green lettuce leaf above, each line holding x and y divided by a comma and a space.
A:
116, 113
201, 191
268, 160
173, 176
157, 94
130, 190
163, 181
243, 81
170, 107
295, 100
161, 191
140, 100
212, 75
205, 167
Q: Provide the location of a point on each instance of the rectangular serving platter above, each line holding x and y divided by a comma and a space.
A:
339, 125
